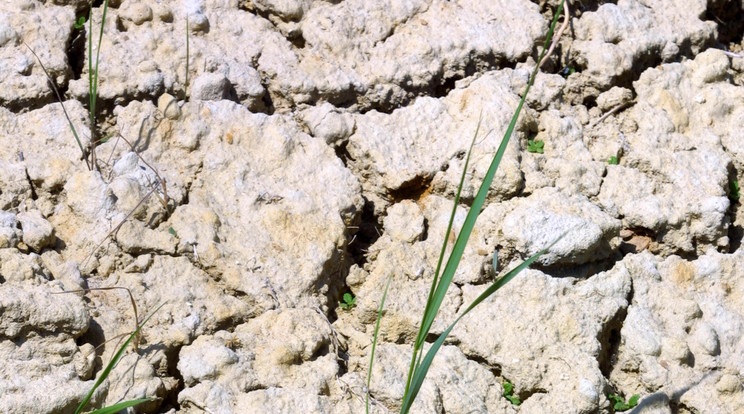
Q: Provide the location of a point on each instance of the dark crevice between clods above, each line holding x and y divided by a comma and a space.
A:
524, 395
334, 274
495, 369
609, 339
581, 271
438, 87
296, 38
34, 195
370, 229
729, 17
584, 6
735, 231
76, 53
342, 152
414, 189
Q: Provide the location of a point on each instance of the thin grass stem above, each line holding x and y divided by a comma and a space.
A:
186, 87
84, 155
93, 79
374, 341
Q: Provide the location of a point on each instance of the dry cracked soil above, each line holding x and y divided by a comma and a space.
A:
259, 159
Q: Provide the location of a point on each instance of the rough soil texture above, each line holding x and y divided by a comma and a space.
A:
314, 149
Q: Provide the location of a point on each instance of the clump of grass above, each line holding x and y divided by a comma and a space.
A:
441, 282
89, 150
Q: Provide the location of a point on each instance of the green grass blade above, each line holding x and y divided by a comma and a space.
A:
120, 406
435, 301
93, 77
91, 104
374, 340
186, 87
480, 198
416, 358
106, 371
421, 371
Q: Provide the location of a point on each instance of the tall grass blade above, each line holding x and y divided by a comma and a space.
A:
422, 370
418, 371
374, 340
186, 87
93, 77
106, 371
421, 336
122, 405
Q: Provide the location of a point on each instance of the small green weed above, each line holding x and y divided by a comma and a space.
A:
734, 193
621, 405
509, 393
80, 23
535, 146
348, 303
613, 160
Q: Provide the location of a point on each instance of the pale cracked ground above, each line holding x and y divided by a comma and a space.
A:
316, 151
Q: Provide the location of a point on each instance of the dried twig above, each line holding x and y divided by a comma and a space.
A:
557, 37
610, 112
118, 226
164, 199
84, 150
131, 299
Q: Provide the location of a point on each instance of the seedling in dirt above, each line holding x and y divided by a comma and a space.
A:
613, 160
621, 405
734, 193
171, 231
535, 146
349, 301
80, 23
509, 393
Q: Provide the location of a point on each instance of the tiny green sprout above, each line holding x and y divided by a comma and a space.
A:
621, 405
509, 393
734, 187
349, 301
80, 23
535, 146
612, 161
171, 231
